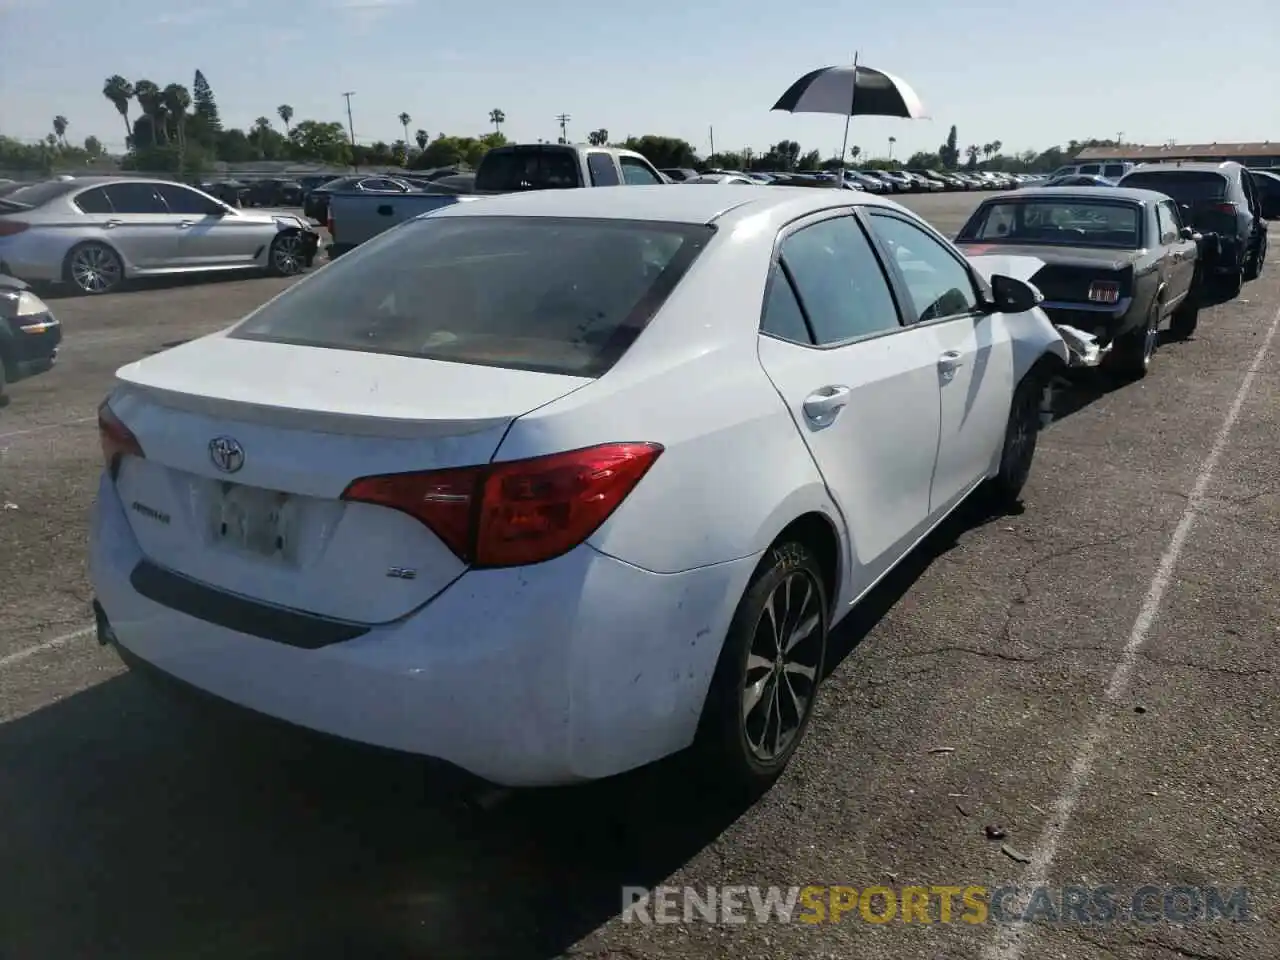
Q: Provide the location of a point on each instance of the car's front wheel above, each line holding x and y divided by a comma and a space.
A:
285, 258
93, 268
762, 694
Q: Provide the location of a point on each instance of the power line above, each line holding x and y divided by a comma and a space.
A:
563, 119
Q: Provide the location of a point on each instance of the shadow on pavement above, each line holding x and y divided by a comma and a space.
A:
143, 825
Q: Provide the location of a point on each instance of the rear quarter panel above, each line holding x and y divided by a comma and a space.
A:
357, 216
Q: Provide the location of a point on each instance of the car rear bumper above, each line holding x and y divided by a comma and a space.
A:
573, 669
1103, 322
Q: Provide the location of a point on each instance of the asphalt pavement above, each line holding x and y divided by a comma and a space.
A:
1079, 694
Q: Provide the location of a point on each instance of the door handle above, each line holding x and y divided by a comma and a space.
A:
823, 406
111, 224
185, 224
949, 362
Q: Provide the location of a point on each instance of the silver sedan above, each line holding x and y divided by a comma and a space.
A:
93, 233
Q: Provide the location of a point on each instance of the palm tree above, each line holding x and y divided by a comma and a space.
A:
995, 146
421, 139
60, 128
286, 114
972, 152
987, 150
598, 138
497, 118
405, 120
120, 91
892, 141
261, 127
149, 100
855, 152
177, 101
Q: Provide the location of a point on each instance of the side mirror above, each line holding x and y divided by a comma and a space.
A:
1187, 233
1013, 296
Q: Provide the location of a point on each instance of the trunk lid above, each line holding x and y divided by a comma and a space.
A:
249, 446
1064, 274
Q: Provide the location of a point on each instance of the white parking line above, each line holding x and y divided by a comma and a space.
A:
11, 659
1012, 938
46, 427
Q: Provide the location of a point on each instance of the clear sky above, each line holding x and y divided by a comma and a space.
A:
1026, 73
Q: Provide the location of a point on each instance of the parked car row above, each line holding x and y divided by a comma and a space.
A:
871, 181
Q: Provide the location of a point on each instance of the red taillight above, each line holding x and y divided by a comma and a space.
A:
329, 226
1227, 208
516, 513
1102, 291
10, 227
116, 439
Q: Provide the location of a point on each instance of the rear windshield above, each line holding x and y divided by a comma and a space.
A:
37, 194
1065, 221
566, 296
512, 170
1184, 186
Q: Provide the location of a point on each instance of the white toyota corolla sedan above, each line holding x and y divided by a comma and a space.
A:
555, 484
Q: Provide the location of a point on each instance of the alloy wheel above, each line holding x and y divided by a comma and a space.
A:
95, 269
782, 667
285, 256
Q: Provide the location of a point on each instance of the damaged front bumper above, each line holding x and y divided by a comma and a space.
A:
1084, 348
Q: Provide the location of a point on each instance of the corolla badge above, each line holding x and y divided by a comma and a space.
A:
226, 453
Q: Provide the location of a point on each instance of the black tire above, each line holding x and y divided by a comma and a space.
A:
1131, 357
1230, 284
1254, 270
92, 269
4, 379
284, 256
1182, 324
733, 739
1020, 435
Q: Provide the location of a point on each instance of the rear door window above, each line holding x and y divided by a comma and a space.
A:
1090, 169
136, 198
554, 295
93, 201
1167, 221
1185, 186
181, 200
600, 166
1114, 171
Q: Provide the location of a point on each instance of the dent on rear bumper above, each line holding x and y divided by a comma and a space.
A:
578, 668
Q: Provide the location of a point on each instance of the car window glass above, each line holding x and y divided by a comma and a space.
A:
782, 316
181, 200
839, 280
1092, 169
939, 284
636, 173
1164, 220
94, 201
600, 166
135, 198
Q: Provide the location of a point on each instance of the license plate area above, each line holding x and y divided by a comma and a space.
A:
254, 521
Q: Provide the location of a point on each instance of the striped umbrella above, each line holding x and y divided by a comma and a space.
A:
854, 91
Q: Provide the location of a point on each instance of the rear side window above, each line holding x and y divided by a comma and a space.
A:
782, 316
841, 286
552, 295
600, 166
536, 169
135, 198
93, 201
1113, 170
38, 194
1090, 170
1185, 186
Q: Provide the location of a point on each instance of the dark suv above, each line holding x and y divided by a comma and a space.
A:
1222, 202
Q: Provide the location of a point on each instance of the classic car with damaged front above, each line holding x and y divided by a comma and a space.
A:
1115, 265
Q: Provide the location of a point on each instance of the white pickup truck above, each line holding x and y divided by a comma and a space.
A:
357, 217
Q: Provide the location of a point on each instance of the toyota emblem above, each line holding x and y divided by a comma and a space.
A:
227, 454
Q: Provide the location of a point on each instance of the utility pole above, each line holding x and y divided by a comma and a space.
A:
1120, 139
351, 126
711, 132
563, 119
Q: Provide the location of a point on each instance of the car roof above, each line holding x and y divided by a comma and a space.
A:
667, 203
1092, 193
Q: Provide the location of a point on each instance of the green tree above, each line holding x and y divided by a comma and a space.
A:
972, 152
598, 138
497, 118
60, 128
176, 102
120, 91
150, 102
322, 142
663, 151
205, 127
93, 147
421, 139
405, 120
782, 156
810, 161
285, 113
924, 160
949, 152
